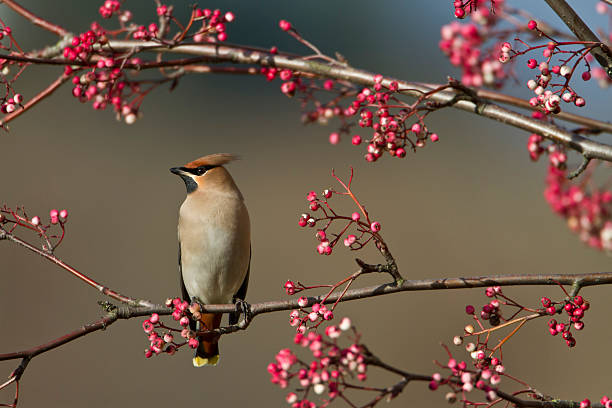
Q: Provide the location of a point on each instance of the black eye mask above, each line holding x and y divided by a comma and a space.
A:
190, 182
198, 171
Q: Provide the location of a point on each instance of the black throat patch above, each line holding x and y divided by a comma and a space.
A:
189, 183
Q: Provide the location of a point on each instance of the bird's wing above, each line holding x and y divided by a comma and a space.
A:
241, 294
184, 294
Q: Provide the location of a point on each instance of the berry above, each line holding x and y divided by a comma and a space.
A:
284, 25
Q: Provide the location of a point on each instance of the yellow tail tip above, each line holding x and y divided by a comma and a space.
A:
204, 361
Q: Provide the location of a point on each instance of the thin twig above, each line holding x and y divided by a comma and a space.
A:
54, 28
52, 258
39, 97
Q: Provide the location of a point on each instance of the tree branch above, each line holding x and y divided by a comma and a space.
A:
239, 55
34, 18
373, 360
215, 53
602, 53
594, 126
138, 308
51, 257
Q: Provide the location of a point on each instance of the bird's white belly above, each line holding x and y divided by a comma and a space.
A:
214, 254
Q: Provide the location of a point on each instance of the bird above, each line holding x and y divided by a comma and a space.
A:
214, 234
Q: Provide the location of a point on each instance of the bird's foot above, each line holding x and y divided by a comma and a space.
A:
244, 308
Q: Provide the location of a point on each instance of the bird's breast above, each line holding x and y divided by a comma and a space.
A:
214, 234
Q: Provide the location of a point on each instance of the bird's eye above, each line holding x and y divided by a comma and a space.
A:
200, 170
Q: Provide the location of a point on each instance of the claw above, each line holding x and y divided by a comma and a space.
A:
242, 307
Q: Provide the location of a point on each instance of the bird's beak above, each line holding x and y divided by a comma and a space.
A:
177, 171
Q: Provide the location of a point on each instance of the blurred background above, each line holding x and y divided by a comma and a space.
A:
469, 205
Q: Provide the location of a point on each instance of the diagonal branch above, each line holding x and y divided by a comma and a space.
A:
476, 103
602, 54
4, 235
239, 55
36, 20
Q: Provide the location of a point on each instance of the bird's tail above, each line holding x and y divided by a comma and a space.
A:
207, 352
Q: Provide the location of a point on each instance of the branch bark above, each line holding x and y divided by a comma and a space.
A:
41, 22
476, 104
602, 54
4, 235
239, 55
133, 308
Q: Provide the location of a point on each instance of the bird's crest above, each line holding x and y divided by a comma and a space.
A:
216, 159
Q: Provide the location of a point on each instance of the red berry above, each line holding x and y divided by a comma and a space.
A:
459, 13
284, 25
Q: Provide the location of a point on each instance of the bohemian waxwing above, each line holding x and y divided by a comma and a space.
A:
214, 244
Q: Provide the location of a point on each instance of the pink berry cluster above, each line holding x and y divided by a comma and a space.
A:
394, 130
5, 31
476, 8
551, 84
213, 22
605, 401
81, 46
109, 7
490, 311
302, 318
462, 380
51, 232
292, 83
5, 34
480, 350
104, 81
574, 308
292, 287
587, 210
396, 126
475, 46
161, 337
586, 206
355, 231
327, 375
464, 46
11, 104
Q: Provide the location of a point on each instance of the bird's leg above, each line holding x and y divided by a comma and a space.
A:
243, 308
